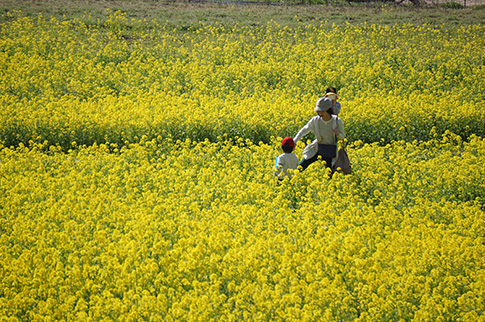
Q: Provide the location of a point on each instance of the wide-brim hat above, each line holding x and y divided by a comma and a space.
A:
323, 104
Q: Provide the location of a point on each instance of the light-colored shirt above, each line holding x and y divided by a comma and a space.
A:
284, 162
322, 130
323, 133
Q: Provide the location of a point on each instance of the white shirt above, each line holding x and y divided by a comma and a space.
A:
284, 162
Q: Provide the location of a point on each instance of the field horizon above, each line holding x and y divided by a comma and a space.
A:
285, 14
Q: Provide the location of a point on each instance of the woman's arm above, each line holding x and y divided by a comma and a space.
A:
340, 129
303, 131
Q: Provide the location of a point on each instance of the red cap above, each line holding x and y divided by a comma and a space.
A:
289, 141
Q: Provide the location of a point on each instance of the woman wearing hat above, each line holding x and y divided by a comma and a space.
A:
328, 130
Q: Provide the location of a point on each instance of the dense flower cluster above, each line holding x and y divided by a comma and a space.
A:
116, 80
167, 230
136, 176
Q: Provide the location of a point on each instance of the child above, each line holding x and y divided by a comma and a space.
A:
287, 160
331, 93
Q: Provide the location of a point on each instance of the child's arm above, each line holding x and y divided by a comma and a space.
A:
278, 166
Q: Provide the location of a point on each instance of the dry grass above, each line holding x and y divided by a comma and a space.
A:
190, 12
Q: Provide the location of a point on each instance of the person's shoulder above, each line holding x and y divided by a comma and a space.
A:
339, 120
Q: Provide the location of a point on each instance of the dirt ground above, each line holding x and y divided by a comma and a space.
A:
466, 3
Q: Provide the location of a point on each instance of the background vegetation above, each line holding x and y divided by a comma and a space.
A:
183, 13
85, 78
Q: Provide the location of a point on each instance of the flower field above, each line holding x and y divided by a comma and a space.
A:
136, 172
115, 80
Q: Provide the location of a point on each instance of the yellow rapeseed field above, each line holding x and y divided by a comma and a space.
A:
169, 230
116, 80
136, 172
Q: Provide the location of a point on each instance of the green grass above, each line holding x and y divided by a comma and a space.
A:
189, 13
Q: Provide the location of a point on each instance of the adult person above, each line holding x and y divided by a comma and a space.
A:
331, 92
328, 130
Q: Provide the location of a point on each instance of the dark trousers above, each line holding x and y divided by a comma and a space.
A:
306, 162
